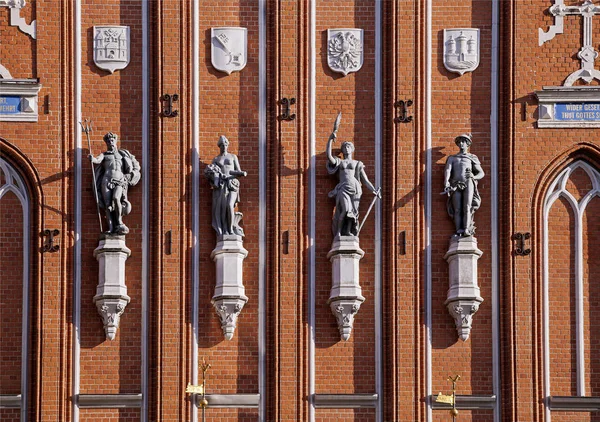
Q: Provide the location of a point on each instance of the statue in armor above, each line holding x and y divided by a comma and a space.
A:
462, 172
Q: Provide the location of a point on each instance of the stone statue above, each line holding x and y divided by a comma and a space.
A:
223, 176
348, 191
462, 172
117, 171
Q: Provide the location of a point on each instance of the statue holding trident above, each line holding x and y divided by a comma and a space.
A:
117, 171
351, 174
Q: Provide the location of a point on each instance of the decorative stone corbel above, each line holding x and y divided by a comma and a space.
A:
229, 298
346, 294
15, 7
463, 295
111, 294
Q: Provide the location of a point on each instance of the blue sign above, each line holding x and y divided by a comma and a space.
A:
10, 105
580, 112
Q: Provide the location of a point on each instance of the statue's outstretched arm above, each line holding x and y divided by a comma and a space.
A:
330, 157
367, 182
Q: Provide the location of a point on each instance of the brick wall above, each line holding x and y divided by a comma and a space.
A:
529, 160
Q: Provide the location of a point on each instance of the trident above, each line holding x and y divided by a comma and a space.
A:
86, 126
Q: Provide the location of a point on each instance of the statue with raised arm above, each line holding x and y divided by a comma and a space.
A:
118, 169
462, 172
351, 174
223, 174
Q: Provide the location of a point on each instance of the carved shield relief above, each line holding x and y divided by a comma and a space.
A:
111, 47
461, 49
229, 47
345, 50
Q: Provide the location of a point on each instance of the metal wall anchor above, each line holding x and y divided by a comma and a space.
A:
49, 245
520, 247
403, 105
287, 103
168, 101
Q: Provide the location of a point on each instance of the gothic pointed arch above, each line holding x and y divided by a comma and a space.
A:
567, 237
20, 201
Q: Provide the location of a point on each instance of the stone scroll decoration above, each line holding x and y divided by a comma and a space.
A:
346, 294
461, 175
229, 298
115, 171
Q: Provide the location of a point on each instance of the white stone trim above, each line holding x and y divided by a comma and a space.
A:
195, 157
18, 21
233, 401
10, 401
348, 401
496, 366
15, 184
4, 73
428, 204
262, 212
556, 191
77, 173
110, 401
378, 180
145, 205
15, 7
574, 404
312, 104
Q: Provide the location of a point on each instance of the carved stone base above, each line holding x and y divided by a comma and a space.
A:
111, 293
229, 298
463, 295
110, 311
346, 294
228, 310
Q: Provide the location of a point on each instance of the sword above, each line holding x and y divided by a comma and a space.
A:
336, 124
86, 126
369, 211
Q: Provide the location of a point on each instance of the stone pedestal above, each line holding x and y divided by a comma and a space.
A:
346, 294
463, 295
229, 298
111, 294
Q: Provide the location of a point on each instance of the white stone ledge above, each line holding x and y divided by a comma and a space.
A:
552, 94
104, 401
574, 404
345, 401
467, 402
10, 401
238, 401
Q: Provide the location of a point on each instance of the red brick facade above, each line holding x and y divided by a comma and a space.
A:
286, 346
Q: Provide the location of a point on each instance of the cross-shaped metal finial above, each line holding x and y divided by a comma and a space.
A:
587, 54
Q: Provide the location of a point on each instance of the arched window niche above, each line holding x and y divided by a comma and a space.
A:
15, 238
571, 287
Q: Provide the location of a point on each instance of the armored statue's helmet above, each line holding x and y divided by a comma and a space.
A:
467, 136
